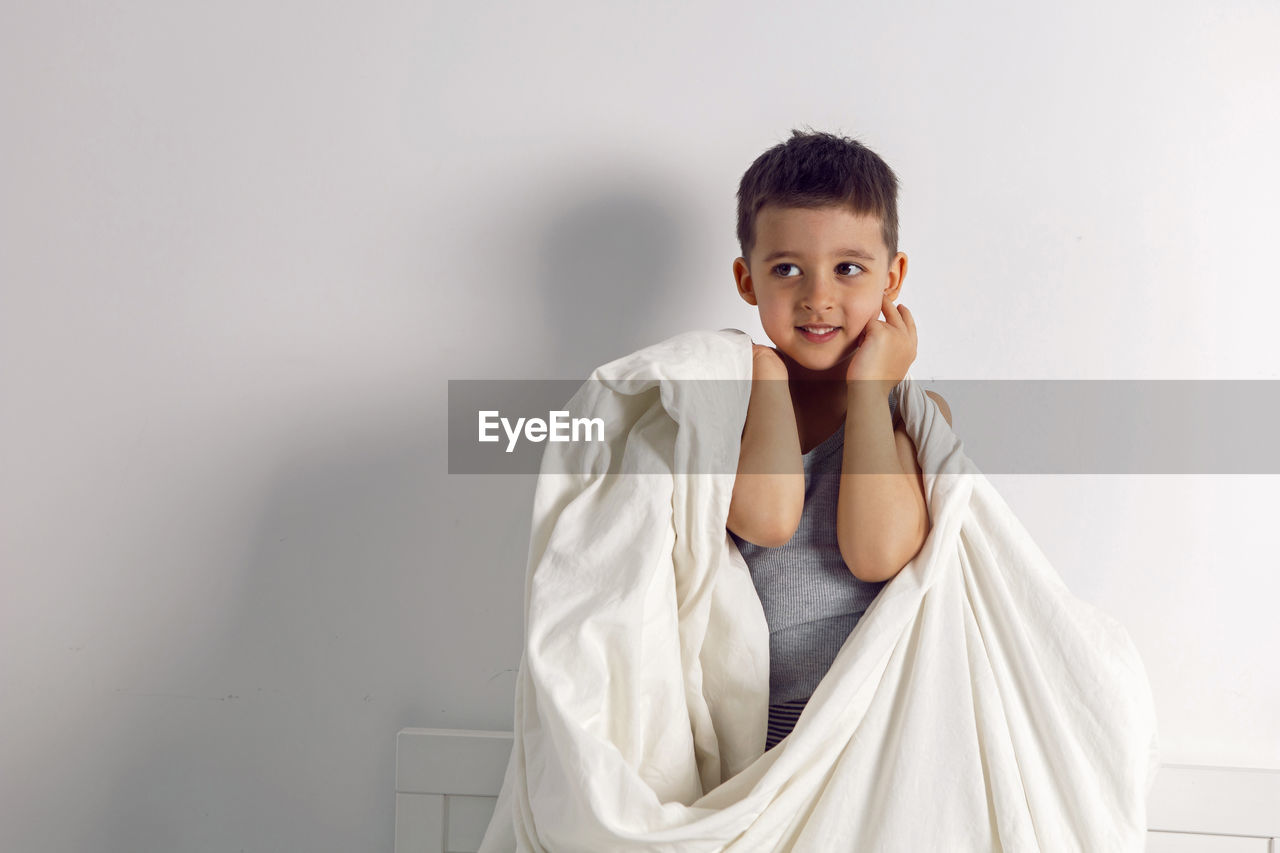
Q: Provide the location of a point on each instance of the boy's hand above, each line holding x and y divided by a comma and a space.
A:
766, 363
888, 348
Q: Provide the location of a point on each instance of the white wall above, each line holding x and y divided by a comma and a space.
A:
244, 245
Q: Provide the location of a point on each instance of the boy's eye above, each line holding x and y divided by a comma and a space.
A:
779, 268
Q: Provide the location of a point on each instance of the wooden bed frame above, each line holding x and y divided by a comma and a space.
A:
447, 782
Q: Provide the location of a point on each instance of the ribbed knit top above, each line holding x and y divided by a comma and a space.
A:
811, 599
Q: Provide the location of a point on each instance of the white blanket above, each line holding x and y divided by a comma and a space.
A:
978, 705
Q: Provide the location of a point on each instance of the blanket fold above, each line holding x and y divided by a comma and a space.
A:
977, 705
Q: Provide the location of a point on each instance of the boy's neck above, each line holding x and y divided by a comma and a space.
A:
820, 406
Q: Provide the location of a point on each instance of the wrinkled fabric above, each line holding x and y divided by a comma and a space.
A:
977, 705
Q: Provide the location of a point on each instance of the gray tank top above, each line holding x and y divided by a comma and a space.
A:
811, 599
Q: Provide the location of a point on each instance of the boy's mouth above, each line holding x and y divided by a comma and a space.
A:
818, 334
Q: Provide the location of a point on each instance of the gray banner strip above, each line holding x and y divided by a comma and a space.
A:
1005, 426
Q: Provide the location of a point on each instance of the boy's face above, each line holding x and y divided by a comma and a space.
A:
818, 267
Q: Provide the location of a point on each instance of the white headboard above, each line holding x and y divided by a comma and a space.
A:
447, 781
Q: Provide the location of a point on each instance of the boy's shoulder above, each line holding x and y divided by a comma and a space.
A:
942, 405
900, 426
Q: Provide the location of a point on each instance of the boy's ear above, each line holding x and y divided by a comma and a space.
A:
742, 275
897, 272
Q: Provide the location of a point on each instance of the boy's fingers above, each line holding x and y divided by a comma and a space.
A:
891, 311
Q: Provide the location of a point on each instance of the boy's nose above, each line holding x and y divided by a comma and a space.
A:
820, 294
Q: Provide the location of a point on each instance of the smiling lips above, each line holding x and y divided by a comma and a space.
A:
818, 334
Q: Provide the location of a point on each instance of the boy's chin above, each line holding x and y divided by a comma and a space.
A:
809, 369
804, 363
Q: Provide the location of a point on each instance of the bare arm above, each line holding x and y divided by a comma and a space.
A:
768, 490
883, 518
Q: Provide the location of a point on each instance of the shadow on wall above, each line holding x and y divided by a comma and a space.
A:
374, 590
606, 278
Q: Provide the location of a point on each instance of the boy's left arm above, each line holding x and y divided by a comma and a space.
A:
910, 515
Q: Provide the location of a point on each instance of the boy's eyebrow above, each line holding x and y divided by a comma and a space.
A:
844, 253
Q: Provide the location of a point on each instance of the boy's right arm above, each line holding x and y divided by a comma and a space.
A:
765, 508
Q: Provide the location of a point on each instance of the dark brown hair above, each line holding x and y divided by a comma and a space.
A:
816, 169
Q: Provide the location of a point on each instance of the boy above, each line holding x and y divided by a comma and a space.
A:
818, 229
